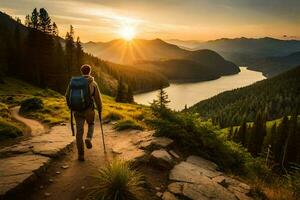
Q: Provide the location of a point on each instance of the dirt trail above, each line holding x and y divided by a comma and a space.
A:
36, 128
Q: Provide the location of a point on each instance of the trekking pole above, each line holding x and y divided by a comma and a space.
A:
100, 118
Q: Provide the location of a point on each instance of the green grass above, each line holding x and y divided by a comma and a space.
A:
117, 181
128, 124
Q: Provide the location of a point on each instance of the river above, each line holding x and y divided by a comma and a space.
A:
181, 94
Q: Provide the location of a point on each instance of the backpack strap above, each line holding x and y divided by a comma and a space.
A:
72, 124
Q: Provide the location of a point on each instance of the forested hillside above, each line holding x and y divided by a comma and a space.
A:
274, 97
34, 52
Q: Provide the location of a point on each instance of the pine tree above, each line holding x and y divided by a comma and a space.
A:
45, 21
69, 49
121, 92
79, 53
279, 139
27, 21
35, 19
258, 134
55, 31
130, 98
160, 106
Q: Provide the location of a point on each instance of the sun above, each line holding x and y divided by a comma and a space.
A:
127, 32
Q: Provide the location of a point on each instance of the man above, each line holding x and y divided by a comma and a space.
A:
88, 114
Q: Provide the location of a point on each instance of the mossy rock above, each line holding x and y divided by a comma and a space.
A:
31, 104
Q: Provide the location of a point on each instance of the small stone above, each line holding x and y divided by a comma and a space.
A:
58, 172
51, 180
47, 194
159, 194
161, 158
41, 187
174, 154
65, 166
175, 187
83, 187
157, 188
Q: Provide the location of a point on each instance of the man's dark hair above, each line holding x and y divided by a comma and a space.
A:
85, 69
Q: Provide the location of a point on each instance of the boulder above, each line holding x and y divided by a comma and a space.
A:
161, 158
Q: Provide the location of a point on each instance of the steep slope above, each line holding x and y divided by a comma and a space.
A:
272, 66
164, 57
275, 97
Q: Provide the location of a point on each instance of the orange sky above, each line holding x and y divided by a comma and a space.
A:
101, 20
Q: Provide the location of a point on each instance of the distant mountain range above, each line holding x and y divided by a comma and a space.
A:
160, 56
258, 54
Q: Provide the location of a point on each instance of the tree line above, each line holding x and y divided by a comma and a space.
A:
280, 142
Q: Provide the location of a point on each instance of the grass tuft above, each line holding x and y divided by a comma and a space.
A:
117, 181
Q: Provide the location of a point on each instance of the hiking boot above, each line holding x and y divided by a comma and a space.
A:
88, 143
81, 157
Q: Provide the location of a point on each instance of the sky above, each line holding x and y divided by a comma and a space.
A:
102, 20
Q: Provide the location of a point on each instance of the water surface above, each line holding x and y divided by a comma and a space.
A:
182, 94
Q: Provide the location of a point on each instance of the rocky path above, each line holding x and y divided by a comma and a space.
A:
36, 128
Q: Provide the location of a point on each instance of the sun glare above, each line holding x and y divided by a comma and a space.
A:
127, 32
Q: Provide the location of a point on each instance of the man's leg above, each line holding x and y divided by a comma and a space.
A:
79, 118
90, 118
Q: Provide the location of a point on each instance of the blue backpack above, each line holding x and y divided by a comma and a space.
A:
79, 94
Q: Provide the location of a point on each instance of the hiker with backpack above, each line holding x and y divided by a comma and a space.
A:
81, 95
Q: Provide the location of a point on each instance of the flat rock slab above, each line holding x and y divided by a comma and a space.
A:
20, 163
16, 170
198, 179
51, 144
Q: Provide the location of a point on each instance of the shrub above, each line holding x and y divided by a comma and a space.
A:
128, 124
117, 181
8, 130
31, 104
113, 116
